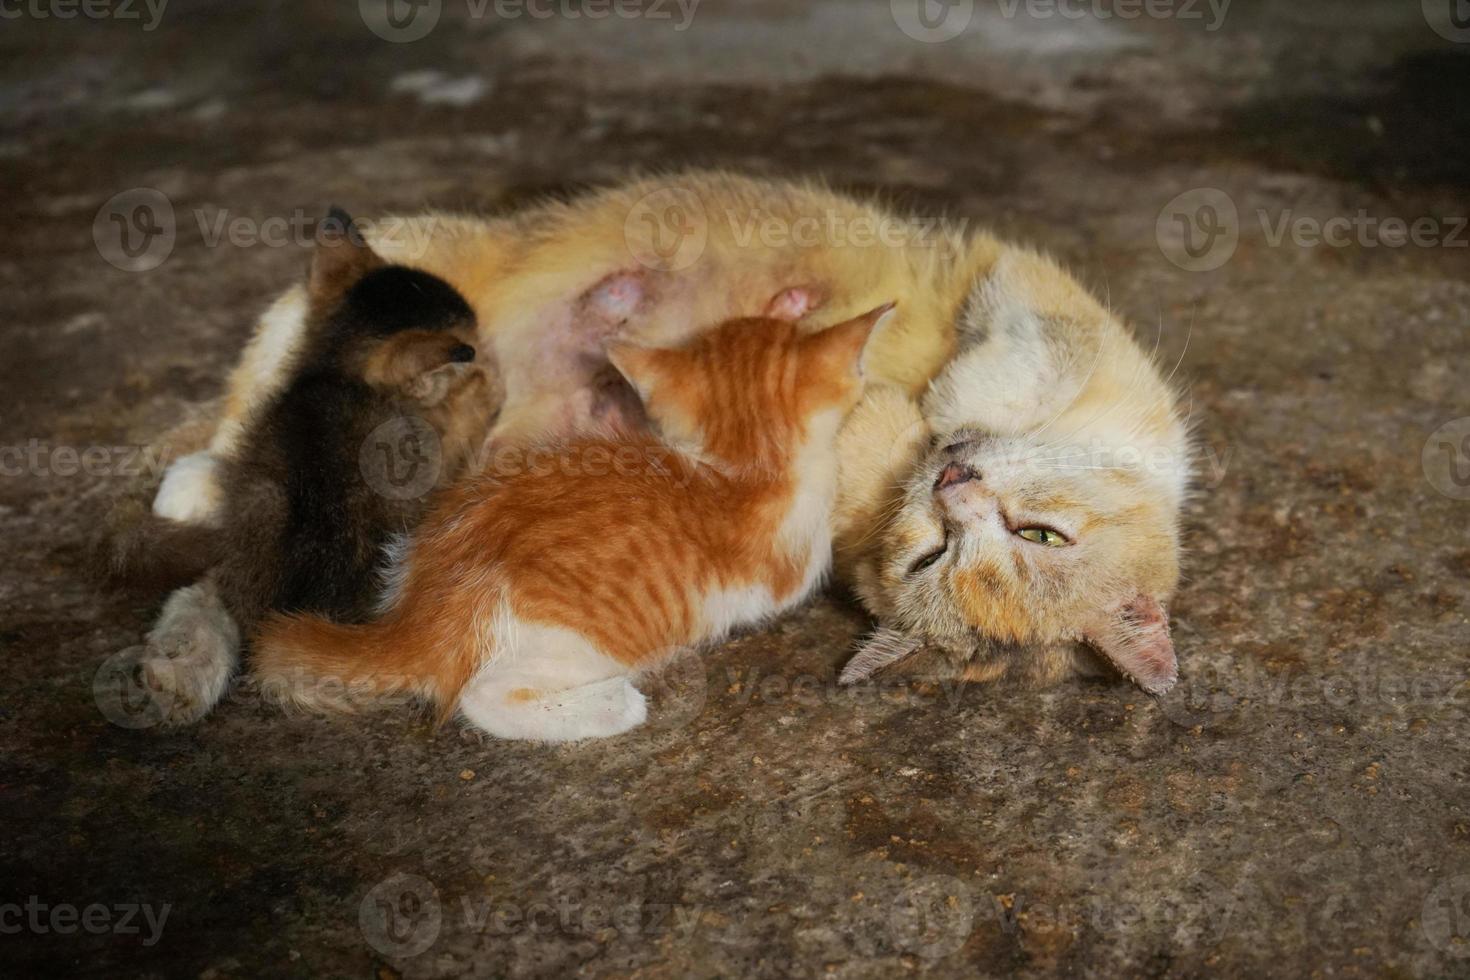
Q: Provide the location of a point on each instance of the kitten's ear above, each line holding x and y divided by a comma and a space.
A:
340, 258
841, 347
643, 367
1135, 637
882, 649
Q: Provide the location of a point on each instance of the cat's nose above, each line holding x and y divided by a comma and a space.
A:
461, 353
954, 474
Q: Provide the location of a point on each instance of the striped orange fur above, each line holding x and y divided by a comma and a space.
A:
536, 588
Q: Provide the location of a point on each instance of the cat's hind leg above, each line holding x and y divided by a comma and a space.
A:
190, 655
552, 685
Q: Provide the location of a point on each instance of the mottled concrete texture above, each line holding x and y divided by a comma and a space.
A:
1297, 807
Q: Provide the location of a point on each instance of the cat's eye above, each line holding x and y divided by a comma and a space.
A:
928, 559
1039, 534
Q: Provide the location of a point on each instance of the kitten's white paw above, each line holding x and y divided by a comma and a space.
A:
190, 490
598, 710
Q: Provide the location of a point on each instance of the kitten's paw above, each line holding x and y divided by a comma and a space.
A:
635, 706
599, 710
190, 490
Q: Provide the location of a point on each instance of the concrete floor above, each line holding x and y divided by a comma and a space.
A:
1300, 805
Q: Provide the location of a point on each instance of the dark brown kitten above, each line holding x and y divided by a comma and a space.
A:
386, 402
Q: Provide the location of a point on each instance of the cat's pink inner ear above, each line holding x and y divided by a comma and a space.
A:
1135, 637
794, 303
616, 298
883, 648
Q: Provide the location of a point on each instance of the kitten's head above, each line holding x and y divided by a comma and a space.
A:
751, 391
388, 324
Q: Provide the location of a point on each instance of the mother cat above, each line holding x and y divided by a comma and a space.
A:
1009, 488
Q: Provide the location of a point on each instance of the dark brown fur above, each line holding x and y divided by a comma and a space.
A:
303, 527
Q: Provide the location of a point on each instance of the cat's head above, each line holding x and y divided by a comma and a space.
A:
994, 542
751, 390
1030, 510
389, 324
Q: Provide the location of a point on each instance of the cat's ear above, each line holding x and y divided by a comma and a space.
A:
1134, 636
840, 348
883, 648
340, 258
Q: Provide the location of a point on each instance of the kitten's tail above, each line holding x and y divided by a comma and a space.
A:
321, 666
139, 549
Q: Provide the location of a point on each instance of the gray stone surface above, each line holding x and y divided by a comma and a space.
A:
1298, 806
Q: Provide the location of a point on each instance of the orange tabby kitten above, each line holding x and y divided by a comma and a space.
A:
528, 599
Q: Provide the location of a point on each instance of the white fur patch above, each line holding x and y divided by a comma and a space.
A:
190, 491
267, 362
394, 574
725, 609
548, 684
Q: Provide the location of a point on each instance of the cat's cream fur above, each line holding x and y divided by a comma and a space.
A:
1064, 419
